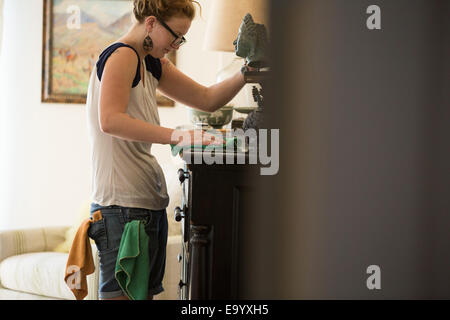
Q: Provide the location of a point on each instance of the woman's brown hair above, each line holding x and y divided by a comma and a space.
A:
164, 9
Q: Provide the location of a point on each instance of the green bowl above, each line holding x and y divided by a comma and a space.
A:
245, 110
216, 119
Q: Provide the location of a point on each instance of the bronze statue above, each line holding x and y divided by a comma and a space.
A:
252, 43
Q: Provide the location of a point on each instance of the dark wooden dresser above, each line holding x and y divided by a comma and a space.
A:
213, 213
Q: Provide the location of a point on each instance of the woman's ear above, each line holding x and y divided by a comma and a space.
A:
150, 23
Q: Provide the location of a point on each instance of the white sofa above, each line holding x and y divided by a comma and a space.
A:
31, 270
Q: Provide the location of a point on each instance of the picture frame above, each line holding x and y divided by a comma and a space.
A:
75, 32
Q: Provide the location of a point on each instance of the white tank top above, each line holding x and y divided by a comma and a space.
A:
125, 173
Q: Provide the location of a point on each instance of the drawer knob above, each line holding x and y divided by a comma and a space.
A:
182, 175
179, 214
181, 284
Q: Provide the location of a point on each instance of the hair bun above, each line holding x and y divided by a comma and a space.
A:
163, 9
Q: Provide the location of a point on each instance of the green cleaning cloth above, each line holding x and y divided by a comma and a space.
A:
228, 143
133, 261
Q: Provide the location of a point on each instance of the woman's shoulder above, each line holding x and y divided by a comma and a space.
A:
123, 49
121, 57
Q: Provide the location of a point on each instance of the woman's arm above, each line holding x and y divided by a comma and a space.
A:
117, 79
178, 86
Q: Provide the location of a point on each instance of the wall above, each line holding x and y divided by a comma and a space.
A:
1, 24
44, 150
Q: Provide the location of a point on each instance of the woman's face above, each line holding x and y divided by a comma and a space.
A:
163, 39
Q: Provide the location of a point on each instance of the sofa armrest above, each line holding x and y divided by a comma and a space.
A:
93, 279
20, 241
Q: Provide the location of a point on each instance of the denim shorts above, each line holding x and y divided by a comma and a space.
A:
107, 234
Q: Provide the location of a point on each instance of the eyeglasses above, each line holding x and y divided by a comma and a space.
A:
179, 41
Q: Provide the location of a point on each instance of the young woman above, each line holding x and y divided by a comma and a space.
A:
123, 123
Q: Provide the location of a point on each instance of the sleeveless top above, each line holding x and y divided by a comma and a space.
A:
125, 173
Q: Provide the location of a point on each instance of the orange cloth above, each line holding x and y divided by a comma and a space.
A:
80, 262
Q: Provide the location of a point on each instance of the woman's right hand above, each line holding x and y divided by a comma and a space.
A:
196, 137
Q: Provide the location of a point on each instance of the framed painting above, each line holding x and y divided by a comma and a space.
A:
75, 33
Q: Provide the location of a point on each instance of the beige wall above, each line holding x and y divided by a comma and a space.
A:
44, 151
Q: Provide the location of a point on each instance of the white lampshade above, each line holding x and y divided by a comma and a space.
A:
225, 18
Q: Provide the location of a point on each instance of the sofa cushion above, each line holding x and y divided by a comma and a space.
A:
39, 273
6, 294
83, 214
